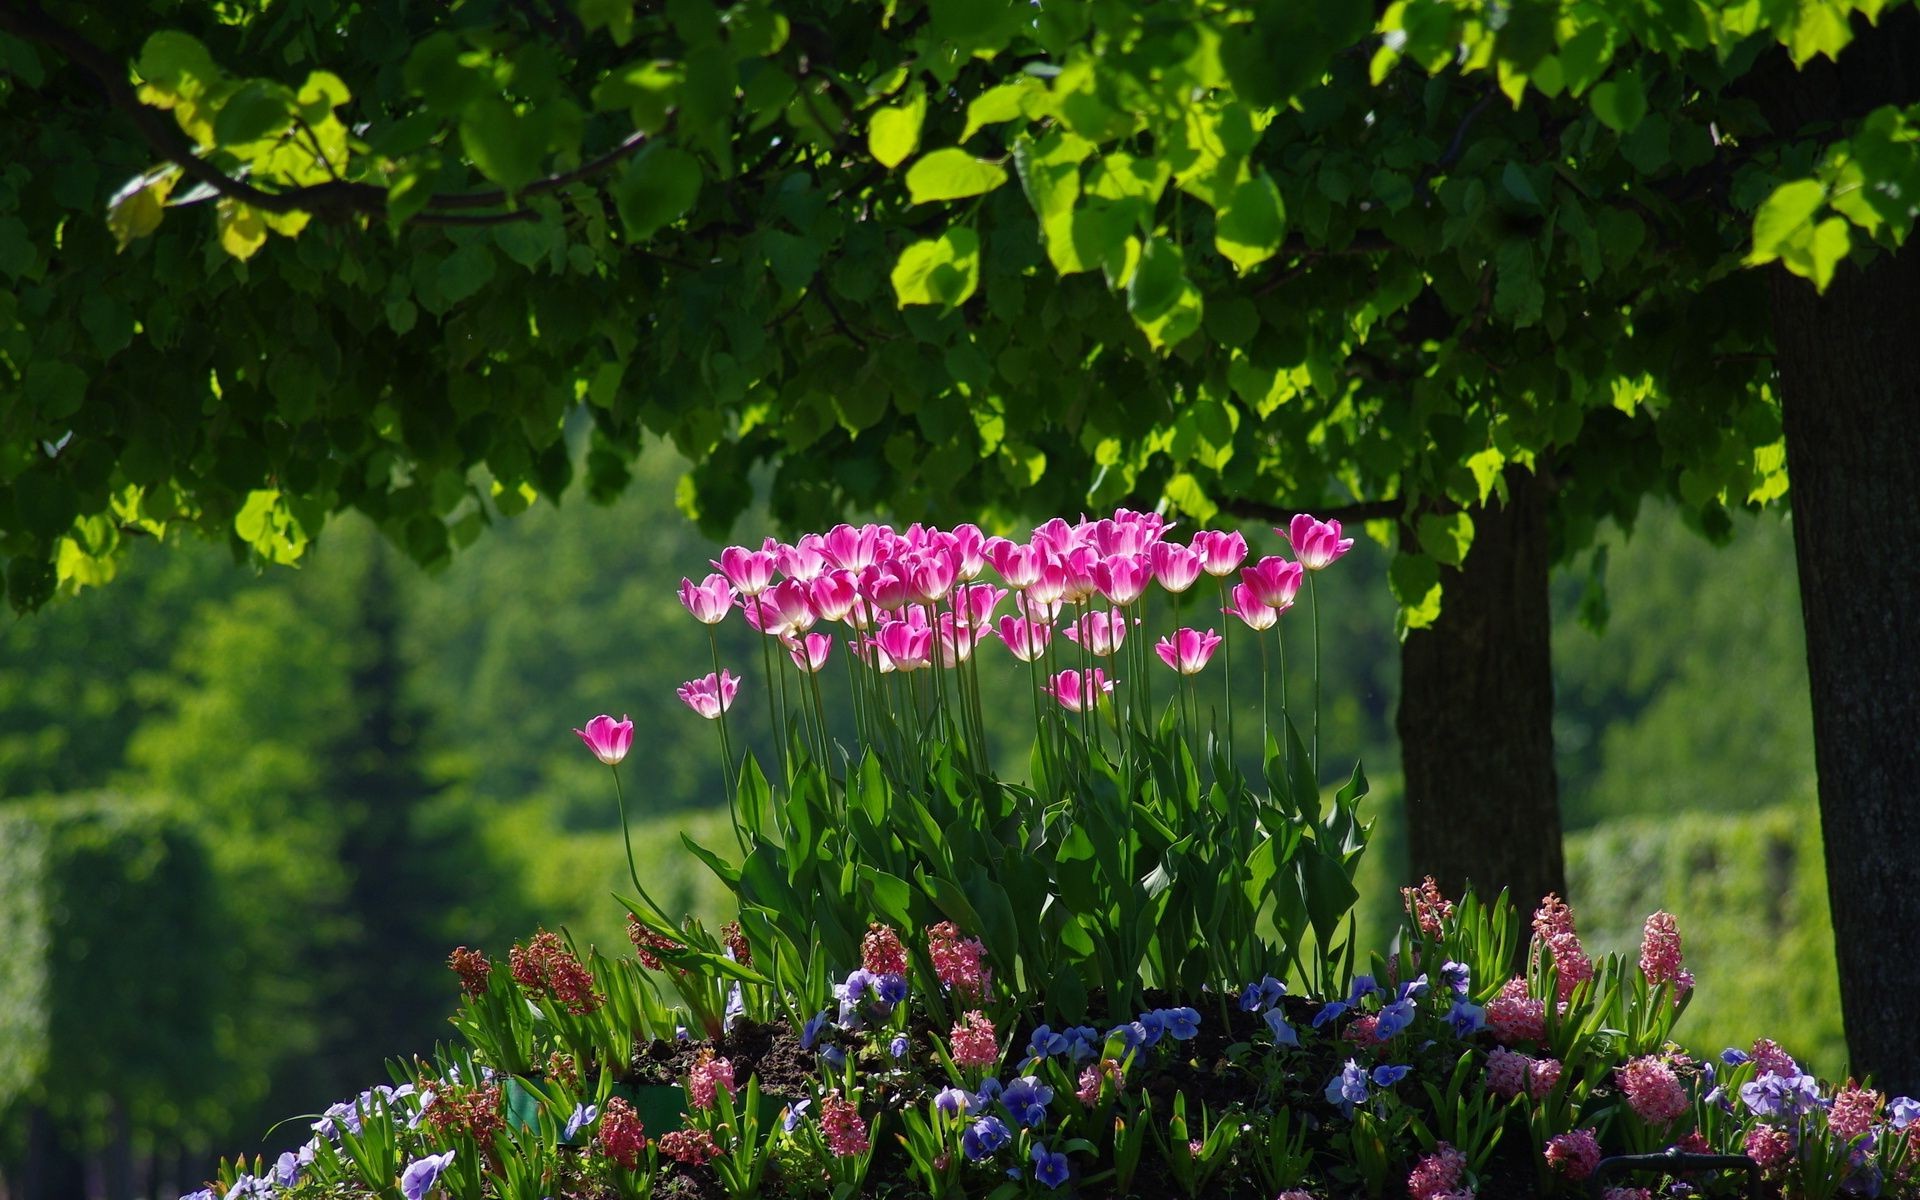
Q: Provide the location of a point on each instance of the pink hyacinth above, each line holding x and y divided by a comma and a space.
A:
1316, 543
1627, 1193
810, 653
840, 1121
1508, 1072
1437, 1174
1768, 1145
1514, 1016
1772, 1060
1652, 1089
1274, 581
706, 1078
958, 962
974, 1042
1079, 691
1660, 958
1247, 606
1555, 934
1188, 650
1026, 640
1854, 1111
750, 571
607, 738
881, 952
1123, 578
1574, 1155
1175, 567
1221, 552
710, 695
1427, 906
710, 600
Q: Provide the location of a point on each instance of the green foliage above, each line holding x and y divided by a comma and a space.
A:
1258, 256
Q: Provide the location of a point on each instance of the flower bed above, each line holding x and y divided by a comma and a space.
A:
1132, 975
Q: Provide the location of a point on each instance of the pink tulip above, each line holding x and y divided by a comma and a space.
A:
932, 576
834, 594
1175, 566
1221, 553
709, 600
1077, 573
748, 570
712, 695
908, 645
1247, 606
809, 653
1018, 565
969, 549
788, 608
804, 560
1188, 650
1274, 580
869, 652
852, 549
607, 738
887, 586
975, 603
1036, 609
1101, 633
1027, 640
956, 641
1051, 586
1316, 543
1123, 578
1056, 536
1079, 691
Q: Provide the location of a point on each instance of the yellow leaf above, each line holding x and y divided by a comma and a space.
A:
136, 210
242, 231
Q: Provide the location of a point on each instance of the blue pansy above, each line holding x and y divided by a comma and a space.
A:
1386, 1075
1348, 1088
422, 1173
1155, 1023
984, 1138
1027, 1099
1903, 1111
795, 1115
1083, 1042
250, 1187
899, 1046
1283, 1033
1466, 1019
1456, 975
1416, 988
1182, 1024
1394, 1019
953, 1101
583, 1116
1363, 985
1045, 1043
892, 989
1733, 1056
1049, 1168
1333, 1009
811, 1031
1264, 994
833, 1056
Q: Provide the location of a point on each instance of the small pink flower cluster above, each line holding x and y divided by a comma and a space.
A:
840, 1121
692, 1147
1514, 1016
1769, 1146
881, 952
1554, 932
1652, 1089
1660, 953
1854, 1111
1510, 1073
1363, 1031
621, 1136
1439, 1175
959, 962
1770, 1059
545, 967
1627, 1193
1427, 907
1091, 1078
708, 1075
1574, 1155
974, 1042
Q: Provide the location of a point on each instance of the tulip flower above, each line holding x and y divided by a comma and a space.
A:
1275, 581
1174, 566
1018, 565
787, 609
709, 600
907, 644
1101, 633
751, 571
968, 547
1056, 536
1123, 578
1247, 606
1078, 691
1221, 553
1316, 543
975, 604
956, 641
1027, 640
931, 576
804, 560
712, 695
853, 549
1188, 650
887, 586
607, 738
1077, 573
810, 652
834, 594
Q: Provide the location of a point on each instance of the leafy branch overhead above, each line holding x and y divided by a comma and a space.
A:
1239, 258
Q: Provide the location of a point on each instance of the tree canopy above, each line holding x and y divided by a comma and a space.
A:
272, 262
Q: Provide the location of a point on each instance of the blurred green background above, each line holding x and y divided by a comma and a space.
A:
243, 818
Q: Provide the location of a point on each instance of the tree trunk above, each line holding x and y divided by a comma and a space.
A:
1476, 715
1850, 385
53, 1171
1850, 396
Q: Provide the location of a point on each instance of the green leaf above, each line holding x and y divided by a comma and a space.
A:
465, 272
1163, 301
1446, 537
1007, 102
258, 111
1515, 181
507, 146
1253, 223
952, 174
893, 133
657, 188
943, 270
646, 89
1415, 582
55, 389
176, 62
1784, 218
1620, 102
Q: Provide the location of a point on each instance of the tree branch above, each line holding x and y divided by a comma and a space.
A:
1249, 509
330, 200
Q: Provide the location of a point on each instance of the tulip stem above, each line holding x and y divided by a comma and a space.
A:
1226, 662
626, 837
1314, 596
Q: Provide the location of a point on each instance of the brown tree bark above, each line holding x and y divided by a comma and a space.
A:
1476, 714
1850, 396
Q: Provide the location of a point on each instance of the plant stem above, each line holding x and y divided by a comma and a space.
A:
1314, 595
626, 837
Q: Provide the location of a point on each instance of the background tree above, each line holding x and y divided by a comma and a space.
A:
1261, 257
